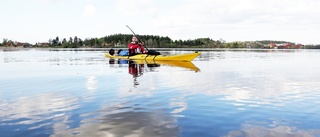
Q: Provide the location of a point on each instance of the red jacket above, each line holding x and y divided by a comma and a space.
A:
135, 48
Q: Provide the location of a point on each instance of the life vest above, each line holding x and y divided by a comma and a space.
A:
134, 49
132, 52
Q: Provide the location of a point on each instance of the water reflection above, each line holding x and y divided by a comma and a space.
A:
249, 130
27, 107
236, 94
91, 83
36, 114
125, 119
137, 68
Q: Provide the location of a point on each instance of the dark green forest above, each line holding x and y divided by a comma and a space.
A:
151, 41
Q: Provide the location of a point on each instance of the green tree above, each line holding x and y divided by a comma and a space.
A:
4, 42
80, 42
57, 40
92, 42
64, 41
70, 40
86, 42
54, 42
97, 42
75, 40
150, 42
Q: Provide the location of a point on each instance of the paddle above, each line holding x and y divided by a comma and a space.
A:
137, 37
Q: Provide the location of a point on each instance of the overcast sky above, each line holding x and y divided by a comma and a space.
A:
232, 20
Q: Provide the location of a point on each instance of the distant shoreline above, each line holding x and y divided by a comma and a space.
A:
159, 49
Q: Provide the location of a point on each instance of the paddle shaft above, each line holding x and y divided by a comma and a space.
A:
137, 37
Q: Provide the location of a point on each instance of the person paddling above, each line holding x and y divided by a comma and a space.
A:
136, 47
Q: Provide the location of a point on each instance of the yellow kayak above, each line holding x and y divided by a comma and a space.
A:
179, 57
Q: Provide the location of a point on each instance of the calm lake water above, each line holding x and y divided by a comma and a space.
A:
234, 93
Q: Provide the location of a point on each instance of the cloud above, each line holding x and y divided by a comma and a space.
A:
242, 20
89, 10
131, 7
244, 12
233, 20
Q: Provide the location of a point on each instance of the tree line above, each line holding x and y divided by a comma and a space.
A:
151, 41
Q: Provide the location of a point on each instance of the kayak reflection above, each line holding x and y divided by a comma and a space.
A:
136, 64
137, 68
